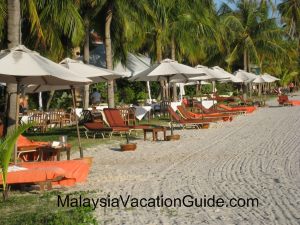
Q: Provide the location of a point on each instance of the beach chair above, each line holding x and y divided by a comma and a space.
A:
218, 98
40, 121
116, 122
246, 109
128, 115
197, 123
28, 150
198, 106
95, 128
63, 173
284, 100
190, 115
247, 102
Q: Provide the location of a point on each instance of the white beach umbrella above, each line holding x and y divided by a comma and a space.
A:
96, 74
214, 74
167, 70
269, 78
23, 66
259, 80
246, 77
222, 74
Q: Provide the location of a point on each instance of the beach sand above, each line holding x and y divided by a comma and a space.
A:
254, 156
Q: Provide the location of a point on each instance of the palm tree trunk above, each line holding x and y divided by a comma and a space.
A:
49, 100
173, 52
246, 69
108, 56
245, 60
13, 36
159, 59
86, 60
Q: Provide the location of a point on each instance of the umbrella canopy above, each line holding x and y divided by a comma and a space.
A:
96, 74
23, 66
259, 80
216, 73
167, 70
246, 77
268, 78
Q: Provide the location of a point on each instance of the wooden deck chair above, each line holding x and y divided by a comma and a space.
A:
197, 123
247, 109
190, 115
200, 108
95, 128
115, 121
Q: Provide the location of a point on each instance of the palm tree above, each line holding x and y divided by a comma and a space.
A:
13, 37
253, 34
290, 12
55, 26
88, 11
49, 23
118, 34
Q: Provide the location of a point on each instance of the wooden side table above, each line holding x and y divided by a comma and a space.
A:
154, 131
50, 150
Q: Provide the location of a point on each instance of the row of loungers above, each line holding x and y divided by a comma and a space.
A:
67, 173
116, 124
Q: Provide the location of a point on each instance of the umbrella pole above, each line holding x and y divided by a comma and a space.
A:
76, 121
17, 119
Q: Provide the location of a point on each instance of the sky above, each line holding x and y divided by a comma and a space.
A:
219, 3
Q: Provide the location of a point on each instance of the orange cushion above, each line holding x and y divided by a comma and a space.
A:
75, 170
24, 141
34, 175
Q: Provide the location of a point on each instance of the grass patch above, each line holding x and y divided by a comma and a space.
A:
35, 209
54, 134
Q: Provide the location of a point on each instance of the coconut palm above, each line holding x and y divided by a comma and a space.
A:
13, 39
254, 35
49, 23
290, 12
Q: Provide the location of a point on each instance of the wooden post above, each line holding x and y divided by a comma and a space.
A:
76, 121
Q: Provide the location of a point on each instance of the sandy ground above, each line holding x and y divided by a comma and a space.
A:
254, 156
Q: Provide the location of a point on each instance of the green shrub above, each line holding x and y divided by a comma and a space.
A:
29, 209
63, 217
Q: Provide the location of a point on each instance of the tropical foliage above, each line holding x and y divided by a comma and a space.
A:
238, 34
6, 150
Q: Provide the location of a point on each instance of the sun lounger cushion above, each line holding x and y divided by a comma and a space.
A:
25, 142
74, 170
34, 175
295, 102
247, 109
96, 126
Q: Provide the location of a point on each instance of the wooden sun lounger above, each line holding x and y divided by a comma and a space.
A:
189, 115
284, 100
96, 128
247, 109
198, 123
115, 120
202, 109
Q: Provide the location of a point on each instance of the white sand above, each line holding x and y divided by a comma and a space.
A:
257, 155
